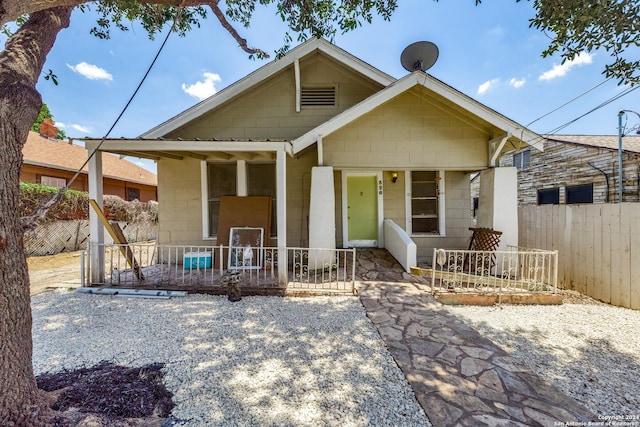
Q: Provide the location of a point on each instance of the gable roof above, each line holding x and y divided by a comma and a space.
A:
420, 79
56, 154
265, 72
630, 143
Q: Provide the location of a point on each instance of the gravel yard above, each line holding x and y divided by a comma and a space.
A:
590, 351
261, 361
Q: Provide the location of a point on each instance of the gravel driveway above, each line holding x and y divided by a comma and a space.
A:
261, 361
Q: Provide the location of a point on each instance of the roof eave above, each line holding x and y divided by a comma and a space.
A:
418, 78
263, 73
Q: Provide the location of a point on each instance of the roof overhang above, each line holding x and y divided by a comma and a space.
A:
466, 106
156, 149
265, 72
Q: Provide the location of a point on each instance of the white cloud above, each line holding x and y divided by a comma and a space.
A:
90, 71
484, 87
562, 69
84, 129
516, 83
205, 88
80, 128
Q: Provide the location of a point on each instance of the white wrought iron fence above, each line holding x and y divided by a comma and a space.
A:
202, 267
517, 270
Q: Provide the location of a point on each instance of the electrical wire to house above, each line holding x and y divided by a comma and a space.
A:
570, 122
30, 222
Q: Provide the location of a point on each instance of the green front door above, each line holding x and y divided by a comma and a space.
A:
362, 210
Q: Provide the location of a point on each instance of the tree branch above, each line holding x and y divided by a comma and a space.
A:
10, 10
231, 30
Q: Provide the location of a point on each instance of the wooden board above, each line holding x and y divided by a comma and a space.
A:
117, 235
250, 211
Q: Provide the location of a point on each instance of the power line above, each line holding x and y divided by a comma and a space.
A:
30, 221
569, 102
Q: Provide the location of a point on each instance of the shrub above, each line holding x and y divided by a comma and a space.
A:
75, 205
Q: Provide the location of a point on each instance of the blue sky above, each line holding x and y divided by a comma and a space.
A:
487, 52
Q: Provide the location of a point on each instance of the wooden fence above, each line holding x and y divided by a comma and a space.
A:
598, 245
71, 235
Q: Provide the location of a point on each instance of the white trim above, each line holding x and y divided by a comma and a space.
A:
241, 178
258, 76
442, 208
96, 229
418, 78
296, 69
442, 220
281, 207
151, 145
345, 220
204, 193
320, 148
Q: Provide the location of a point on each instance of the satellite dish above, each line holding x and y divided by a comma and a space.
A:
419, 56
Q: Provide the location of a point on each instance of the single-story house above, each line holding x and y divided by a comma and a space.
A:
577, 169
349, 156
53, 162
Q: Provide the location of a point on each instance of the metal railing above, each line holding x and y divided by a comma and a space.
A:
200, 268
517, 270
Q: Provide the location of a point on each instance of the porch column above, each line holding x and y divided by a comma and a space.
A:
498, 204
322, 217
281, 202
96, 229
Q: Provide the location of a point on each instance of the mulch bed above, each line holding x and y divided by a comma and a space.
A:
107, 395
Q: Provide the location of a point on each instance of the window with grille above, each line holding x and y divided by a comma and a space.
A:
424, 202
221, 181
522, 160
261, 181
52, 181
133, 194
318, 96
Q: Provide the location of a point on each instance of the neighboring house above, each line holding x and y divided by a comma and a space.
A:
340, 147
577, 169
53, 162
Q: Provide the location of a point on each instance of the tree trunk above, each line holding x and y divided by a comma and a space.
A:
20, 66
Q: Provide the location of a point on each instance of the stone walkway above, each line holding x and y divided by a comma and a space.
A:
459, 377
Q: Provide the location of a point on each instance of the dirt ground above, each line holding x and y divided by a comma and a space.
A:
54, 271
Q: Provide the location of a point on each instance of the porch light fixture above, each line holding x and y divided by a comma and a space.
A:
620, 135
394, 176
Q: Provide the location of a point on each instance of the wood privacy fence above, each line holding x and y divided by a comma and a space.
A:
58, 236
598, 245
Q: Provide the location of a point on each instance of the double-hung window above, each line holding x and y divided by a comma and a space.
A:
425, 203
237, 179
221, 181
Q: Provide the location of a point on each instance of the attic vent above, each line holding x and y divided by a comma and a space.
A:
318, 97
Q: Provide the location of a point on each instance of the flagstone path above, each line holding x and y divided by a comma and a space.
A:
459, 377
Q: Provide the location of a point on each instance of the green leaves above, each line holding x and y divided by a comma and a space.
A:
314, 18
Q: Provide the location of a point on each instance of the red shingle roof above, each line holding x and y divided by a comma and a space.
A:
63, 155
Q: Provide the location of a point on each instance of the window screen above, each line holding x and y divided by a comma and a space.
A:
261, 181
53, 181
522, 160
424, 202
221, 181
549, 196
133, 194
579, 194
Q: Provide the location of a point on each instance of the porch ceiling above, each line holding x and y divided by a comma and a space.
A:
179, 149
